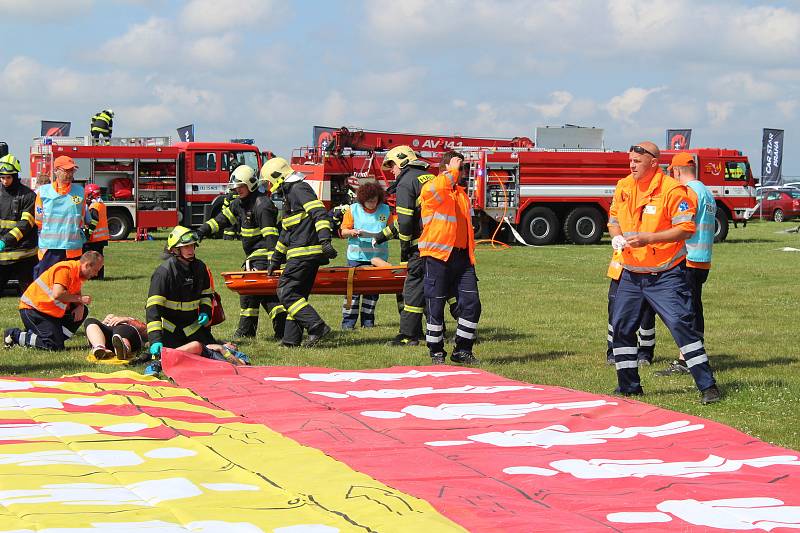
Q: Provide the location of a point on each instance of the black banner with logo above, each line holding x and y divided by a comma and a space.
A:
186, 133
51, 128
678, 139
771, 157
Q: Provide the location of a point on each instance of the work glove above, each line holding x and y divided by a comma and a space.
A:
618, 242
203, 319
273, 266
87, 233
155, 348
198, 235
328, 250
2, 245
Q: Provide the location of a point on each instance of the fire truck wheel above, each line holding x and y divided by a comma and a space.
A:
119, 224
539, 226
584, 225
721, 225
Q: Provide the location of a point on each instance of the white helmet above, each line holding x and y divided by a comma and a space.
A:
244, 175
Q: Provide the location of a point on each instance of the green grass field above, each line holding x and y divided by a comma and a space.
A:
544, 321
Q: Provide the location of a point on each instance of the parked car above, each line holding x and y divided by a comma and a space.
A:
777, 203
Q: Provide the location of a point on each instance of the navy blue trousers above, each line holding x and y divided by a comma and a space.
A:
669, 295
46, 332
646, 332
442, 280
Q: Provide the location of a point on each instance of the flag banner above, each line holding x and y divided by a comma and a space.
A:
678, 139
771, 157
493, 454
186, 133
52, 128
125, 453
323, 137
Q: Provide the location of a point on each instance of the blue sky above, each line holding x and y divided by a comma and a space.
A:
272, 69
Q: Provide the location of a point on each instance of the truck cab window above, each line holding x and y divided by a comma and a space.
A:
205, 161
735, 171
230, 159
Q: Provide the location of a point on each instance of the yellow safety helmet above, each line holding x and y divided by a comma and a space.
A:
244, 175
181, 236
275, 171
400, 156
9, 165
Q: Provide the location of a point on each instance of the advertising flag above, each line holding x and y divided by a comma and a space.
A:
51, 128
678, 139
186, 133
771, 157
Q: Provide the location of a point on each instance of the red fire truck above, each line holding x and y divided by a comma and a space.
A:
148, 182
547, 195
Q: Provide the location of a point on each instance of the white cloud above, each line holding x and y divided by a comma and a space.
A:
743, 86
149, 44
334, 109
212, 16
788, 108
213, 51
43, 10
458, 103
624, 106
558, 102
401, 80
718, 112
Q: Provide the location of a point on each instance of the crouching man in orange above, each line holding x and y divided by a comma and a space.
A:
53, 308
447, 247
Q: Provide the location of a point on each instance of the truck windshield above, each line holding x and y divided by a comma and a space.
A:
736, 171
246, 158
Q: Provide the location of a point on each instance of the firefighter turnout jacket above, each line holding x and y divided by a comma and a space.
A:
657, 205
305, 225
102, 123
17, 225
179, 292
407, 204
40, 295
257, 217
98, 225
446, 218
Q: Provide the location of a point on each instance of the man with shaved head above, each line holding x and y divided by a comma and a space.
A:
650, 219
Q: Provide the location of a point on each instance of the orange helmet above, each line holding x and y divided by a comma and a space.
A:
92, 191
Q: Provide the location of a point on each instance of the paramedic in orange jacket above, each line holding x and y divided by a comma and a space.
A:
447, 247
53, 308
650, 218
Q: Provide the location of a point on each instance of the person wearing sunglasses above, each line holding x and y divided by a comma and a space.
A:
650, 219
178, 308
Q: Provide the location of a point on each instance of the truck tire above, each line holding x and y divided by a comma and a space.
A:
119, 224
584, 225
720, 225
539, 226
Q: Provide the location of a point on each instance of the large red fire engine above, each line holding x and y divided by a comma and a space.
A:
148, 182
545, 194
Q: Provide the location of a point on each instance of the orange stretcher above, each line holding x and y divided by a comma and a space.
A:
330, 280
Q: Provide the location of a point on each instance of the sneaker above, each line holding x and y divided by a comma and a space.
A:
121, 349
637, 392
313, 339
153, 368
8, 338
710, 395
438, 358
101, 352
675, 368
402, 340
464, 358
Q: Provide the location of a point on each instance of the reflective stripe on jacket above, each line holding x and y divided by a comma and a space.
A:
360, 248
61, 218
443, 202
663, 205
100, 232
699, 245
39, 294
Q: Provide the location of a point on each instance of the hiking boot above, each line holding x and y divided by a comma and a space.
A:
710, 395
402, 340
101, 352
8, 338
464, 358
314, 338
675, 368
637, 392
438, 358
121, 349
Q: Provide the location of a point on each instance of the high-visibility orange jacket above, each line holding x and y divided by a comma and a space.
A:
39, 294
659, 204
100, 230
446, 221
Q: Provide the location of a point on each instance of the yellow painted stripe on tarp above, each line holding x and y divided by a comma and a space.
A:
86, 462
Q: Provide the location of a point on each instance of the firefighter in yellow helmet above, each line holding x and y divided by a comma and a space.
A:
101, 125
256, 215
304, 244
178, 306
18, 231
410, 174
